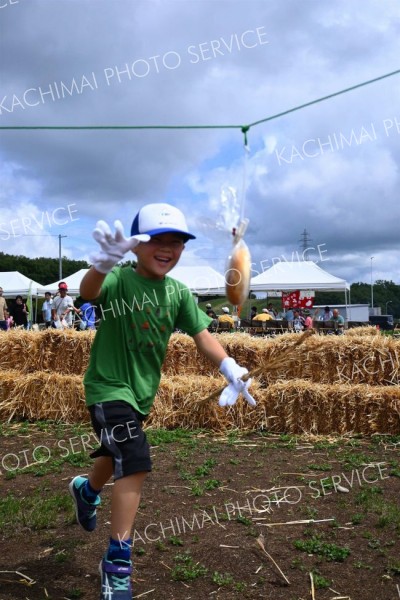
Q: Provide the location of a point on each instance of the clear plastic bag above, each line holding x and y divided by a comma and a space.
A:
237, 276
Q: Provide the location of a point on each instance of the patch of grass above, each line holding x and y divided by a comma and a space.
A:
357, 518
311, 512
35, 511
354, 460
239, 586
373, 501
175, 541
156, 437
297, 563
197, 489
323, 467
161, 546
211, 484
221, 579
78, 459
140, 551
320, 582
205, 468
187, 569
74, 593
315, 545
360, 565
244, 520
393, 567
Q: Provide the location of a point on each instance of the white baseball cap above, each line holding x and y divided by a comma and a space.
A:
160, 218
225, 309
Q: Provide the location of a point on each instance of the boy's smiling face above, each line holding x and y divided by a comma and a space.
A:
158, 256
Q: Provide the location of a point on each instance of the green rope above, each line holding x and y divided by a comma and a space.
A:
353, 87
244, 128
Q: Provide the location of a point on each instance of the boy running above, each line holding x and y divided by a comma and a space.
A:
140, 308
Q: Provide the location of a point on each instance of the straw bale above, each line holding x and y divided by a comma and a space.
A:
302, 407
49, 350
178, 404
365, 358
293, 407
42, 395
364, 330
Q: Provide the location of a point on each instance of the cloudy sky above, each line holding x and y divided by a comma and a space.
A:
332, 168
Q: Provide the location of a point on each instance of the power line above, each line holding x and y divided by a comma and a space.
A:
244, 128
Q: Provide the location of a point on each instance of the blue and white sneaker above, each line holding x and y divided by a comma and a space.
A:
115, 580
85, 511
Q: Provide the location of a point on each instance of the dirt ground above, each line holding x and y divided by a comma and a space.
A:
203, 510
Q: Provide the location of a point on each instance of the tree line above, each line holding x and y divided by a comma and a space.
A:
43, 270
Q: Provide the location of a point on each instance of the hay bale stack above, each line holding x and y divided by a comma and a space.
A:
339, 408
42, 395
295, 407
365, 359
51, 350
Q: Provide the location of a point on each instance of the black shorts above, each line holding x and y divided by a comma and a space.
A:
119, 429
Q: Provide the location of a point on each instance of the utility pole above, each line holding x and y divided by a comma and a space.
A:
372, 285
60, 256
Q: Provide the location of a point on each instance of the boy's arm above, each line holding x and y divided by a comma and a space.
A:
90, 287
210, 347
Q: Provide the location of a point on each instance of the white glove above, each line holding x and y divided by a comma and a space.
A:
234, 373
113, 247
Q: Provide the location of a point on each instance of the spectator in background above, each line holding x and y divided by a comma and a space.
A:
253, 312
264, 315
225, 317
46, 309
9, 320
338, 321
327, 314
3, 311
289, 316
272, 310
298, 321
308, 322
62, 308
87, 314
19, 313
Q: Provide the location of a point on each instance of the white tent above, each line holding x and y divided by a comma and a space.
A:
201, 280
298, 275
16, 284
73, 282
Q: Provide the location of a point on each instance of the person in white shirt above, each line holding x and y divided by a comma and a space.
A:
62, 308
46, 309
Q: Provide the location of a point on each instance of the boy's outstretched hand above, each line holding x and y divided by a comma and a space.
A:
113, 246
234, 373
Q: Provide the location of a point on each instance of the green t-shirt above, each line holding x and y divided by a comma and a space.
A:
138, 316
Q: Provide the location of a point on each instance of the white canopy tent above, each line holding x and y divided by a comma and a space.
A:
201, 280
73, 282
298, 275
16, 284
